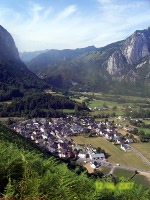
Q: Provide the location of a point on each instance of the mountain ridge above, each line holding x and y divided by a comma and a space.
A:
98, 68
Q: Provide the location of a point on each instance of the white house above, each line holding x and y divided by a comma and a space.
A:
92, 165
95, 156
125, 147
82, 154
129, 141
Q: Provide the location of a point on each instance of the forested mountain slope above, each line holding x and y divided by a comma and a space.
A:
15, 77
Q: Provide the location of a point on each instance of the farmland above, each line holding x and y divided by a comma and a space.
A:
115, 103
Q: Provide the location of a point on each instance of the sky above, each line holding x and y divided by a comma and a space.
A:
70, 24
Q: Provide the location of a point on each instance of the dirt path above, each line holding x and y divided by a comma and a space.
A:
146, 175
89, 168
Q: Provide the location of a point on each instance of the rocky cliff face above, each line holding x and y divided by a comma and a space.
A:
132, 50
7, 46
116, 63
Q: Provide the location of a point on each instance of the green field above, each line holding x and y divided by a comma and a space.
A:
146, 130
98, 100
144, 148
116, 154
139, 179
68, 111
122, 172
100, 103
105, 170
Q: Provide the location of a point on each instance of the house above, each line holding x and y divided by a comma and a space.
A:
62, 153
62, 145
76, 128
118, 141
82, 154
95, 156
51, 149
44, 136
70, 154
125, 147
129, 141
94, 164
117, 135
109, 136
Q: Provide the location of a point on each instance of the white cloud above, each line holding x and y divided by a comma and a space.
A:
67, 12
47, 27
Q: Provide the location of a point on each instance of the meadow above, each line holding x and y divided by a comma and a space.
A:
115, 103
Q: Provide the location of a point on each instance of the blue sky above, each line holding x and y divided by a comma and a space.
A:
61, 24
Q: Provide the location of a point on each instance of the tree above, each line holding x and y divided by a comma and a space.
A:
104, 105
98, 150
114, 108
135, 131
141, 132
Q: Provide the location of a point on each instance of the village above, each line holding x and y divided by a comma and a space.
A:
55, 136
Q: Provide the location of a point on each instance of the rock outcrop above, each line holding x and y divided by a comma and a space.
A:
132, 50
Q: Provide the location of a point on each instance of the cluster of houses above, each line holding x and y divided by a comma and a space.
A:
55, 135
98, 108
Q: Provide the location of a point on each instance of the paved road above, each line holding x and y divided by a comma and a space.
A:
130, 168
113, 166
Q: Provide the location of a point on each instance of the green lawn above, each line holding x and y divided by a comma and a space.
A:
116, 154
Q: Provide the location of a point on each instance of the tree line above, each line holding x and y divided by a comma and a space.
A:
39, 105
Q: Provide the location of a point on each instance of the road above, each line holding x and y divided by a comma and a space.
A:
112, 166
139, 154
128, 168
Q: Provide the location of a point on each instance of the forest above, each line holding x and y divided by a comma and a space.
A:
39, 105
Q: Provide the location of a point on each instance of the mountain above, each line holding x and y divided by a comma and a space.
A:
120, 67
57, 68
55, 58
13, 72
28, 56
